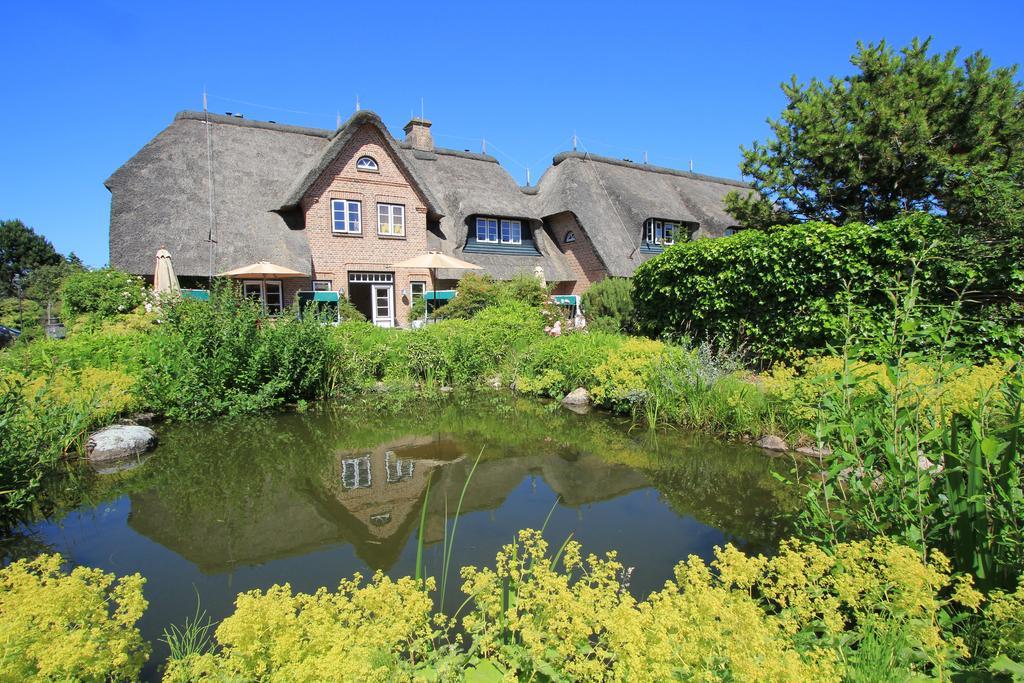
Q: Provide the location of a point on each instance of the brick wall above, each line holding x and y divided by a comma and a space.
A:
580, 255
336, 255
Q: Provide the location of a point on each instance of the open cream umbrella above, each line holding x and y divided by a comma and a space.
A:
164, 279
261, 270
433, 260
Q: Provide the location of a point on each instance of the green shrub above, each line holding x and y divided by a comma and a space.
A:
77, 626
25, 315
226, 356
102, 293
458, 352
557, 365
37, 426
1002, 631
608, 305
476, 292
784, 291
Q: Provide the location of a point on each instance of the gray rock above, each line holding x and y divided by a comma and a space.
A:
577, 397
120, 441
815, 452
923, 463
771, 442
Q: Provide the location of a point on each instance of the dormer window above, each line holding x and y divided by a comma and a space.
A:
487, 231
570, 237
660, 233
367, 164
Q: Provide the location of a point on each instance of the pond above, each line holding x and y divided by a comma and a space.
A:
308, 498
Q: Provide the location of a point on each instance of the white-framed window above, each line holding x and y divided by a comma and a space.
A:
397, 469
391, 220
511, 232
322, 286
267, 292
417, 289
355, 473
367, 164
347, 215
660, 232
486, 229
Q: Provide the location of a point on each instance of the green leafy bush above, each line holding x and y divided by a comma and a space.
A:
559, 365
608, 305
77, 626
477, 292
783, 291
226, 356
37, 426
102, 293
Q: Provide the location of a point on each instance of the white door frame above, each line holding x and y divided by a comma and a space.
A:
389, 291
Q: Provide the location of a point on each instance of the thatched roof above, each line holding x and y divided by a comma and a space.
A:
467, 185
612, 199
160, 197
339, 139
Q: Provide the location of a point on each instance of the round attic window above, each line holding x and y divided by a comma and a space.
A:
367, 164
570, 237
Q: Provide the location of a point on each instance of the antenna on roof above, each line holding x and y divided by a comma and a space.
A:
204, 97
574, 140
645, 157
691, 165
337, 119
527, 176
422, 117
357, 101
483, 145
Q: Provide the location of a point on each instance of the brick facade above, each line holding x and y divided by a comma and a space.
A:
580, 254
336, 255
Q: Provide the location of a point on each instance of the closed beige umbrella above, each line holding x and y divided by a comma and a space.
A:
433, 260
164, 279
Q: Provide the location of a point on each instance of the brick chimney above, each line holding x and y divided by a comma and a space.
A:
417, 134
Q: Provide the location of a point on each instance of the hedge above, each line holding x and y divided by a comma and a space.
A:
781, 291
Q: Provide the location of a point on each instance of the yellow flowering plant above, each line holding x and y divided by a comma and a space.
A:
78, 625
382, 631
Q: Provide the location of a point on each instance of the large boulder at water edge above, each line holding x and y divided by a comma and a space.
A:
773, 443
577, 397
120, 441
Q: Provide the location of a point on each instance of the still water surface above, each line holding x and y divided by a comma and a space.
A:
238, 504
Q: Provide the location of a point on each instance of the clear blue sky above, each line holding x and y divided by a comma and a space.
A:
86, 84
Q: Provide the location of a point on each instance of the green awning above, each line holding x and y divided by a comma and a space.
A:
197, 294
440, 295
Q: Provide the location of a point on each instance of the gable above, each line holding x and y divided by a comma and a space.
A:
344, 168
335, 153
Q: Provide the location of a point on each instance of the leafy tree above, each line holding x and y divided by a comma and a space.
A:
44, 282
22, 250
909, 131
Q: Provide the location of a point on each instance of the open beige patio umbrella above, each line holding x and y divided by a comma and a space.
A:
164, 279
433, 260
261, 270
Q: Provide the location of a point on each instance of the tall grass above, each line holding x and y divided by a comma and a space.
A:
905, 464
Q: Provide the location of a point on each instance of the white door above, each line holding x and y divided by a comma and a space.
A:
382, 306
